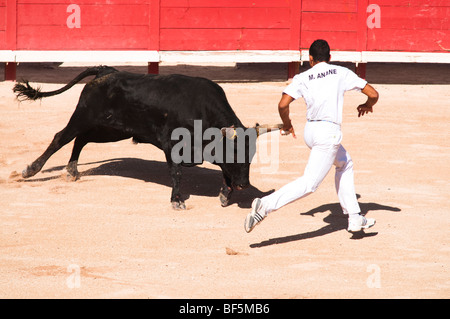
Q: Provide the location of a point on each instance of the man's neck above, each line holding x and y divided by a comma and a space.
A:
314, 63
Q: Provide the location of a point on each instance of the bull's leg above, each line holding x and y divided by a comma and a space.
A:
225, 192
100, 135
71, 168
175, 174
61, 138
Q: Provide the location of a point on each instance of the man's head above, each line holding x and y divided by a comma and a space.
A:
319, 51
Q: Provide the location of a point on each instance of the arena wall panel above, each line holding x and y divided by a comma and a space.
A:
3, 25
221, 25
112, 25
225, 25
421, 26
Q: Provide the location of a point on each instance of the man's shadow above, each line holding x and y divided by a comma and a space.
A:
336, 221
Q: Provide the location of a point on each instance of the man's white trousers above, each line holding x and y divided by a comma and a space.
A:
324, 140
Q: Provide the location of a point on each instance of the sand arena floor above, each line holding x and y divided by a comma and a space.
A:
113, 233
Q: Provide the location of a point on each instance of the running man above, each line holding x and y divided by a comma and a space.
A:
322, 87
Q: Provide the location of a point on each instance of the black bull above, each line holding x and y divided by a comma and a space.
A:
148, 108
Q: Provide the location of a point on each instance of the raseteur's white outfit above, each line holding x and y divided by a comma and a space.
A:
322, 87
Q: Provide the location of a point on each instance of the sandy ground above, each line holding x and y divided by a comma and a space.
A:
113, 233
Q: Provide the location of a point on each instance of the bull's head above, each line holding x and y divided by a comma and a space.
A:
239, 149
232, 148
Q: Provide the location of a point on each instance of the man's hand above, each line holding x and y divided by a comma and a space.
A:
287, 131
372, 98
364, 109
283, 109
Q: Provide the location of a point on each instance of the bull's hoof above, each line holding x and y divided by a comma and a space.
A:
28, 172
225, 195
179, 205
224, 200
70, 177
71, 174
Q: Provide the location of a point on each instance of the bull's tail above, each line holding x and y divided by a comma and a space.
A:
24, 91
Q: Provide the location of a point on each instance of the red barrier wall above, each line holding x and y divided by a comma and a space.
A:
341, 23
105, 25
228, 25
3, 24
2, 21
411, 25
406, 25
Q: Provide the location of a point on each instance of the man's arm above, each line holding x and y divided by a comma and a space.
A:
372, 98
283, 109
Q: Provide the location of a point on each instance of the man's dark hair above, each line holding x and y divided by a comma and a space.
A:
320, 51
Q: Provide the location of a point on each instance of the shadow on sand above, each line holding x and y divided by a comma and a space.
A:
336, 221
197, 180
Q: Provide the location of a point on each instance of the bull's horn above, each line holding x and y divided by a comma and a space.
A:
265, 128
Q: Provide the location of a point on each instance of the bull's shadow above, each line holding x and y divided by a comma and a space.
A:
336, 220
197, 180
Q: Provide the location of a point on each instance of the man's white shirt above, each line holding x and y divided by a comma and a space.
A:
323, 87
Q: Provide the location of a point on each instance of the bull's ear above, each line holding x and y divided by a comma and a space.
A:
265, 128
229, 132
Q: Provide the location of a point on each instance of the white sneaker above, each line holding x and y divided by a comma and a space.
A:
255, 216
359, 222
